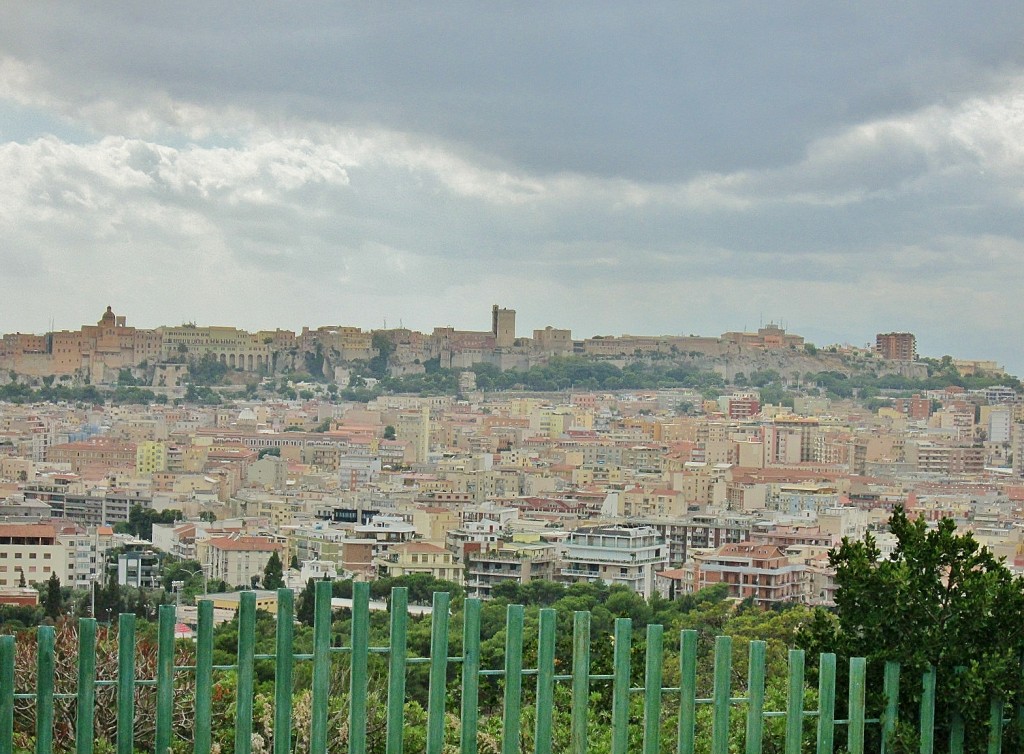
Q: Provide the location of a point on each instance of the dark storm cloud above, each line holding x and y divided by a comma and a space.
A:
607, 167
652, 92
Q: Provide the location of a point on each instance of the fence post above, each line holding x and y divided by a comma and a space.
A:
891, 692
687, 690
621, 684
85, 714
283, 671
44, 689
652, 689
1020, 706
855, 715
721, 694
321, 667
995, 725
438, 672
928, 711
167, 618
396, 668
513, 679
795, 702
125, 683
245, 676
826, 703
545, 681
580, 681
470, 675
755, 693
6, 695
204, 678
956, 723
358, 669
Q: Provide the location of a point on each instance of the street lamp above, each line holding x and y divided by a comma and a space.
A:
193, 574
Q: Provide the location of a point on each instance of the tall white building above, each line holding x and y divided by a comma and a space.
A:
1000, 423
627, 555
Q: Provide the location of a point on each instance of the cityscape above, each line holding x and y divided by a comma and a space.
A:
500, 378
757, 452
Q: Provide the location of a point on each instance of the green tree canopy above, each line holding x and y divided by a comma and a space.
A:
140, 521
305, 605
52, 602
940, 600
273, 572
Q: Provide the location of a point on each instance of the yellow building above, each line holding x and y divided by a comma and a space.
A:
234, 348
433, 524
150, 457
266, 600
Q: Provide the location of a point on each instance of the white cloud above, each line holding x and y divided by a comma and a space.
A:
229, 214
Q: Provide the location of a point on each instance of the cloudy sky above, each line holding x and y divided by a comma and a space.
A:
609, 167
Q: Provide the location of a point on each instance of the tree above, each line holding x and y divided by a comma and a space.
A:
140, 521
940, 600
294, 564
273, 450
273, 573
384, 346
305, 609
52, 602
21, 579
389, 432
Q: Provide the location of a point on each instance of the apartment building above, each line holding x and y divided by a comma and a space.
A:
759, 572
932, 458
519, 563
418, 557
95, 452
684, 534
626, 555
896, 346
31, 550
237, 559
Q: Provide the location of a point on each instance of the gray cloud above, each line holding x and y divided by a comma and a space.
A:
672, 170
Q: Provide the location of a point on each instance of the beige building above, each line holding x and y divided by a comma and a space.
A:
237, 559
234, 348
418, 557
519, 563
32, 550
434, 523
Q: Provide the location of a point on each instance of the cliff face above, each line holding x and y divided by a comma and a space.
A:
791, 364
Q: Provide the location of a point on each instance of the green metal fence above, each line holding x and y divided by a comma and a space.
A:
681, 702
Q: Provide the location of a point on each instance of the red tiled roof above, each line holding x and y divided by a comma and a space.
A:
27, 530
